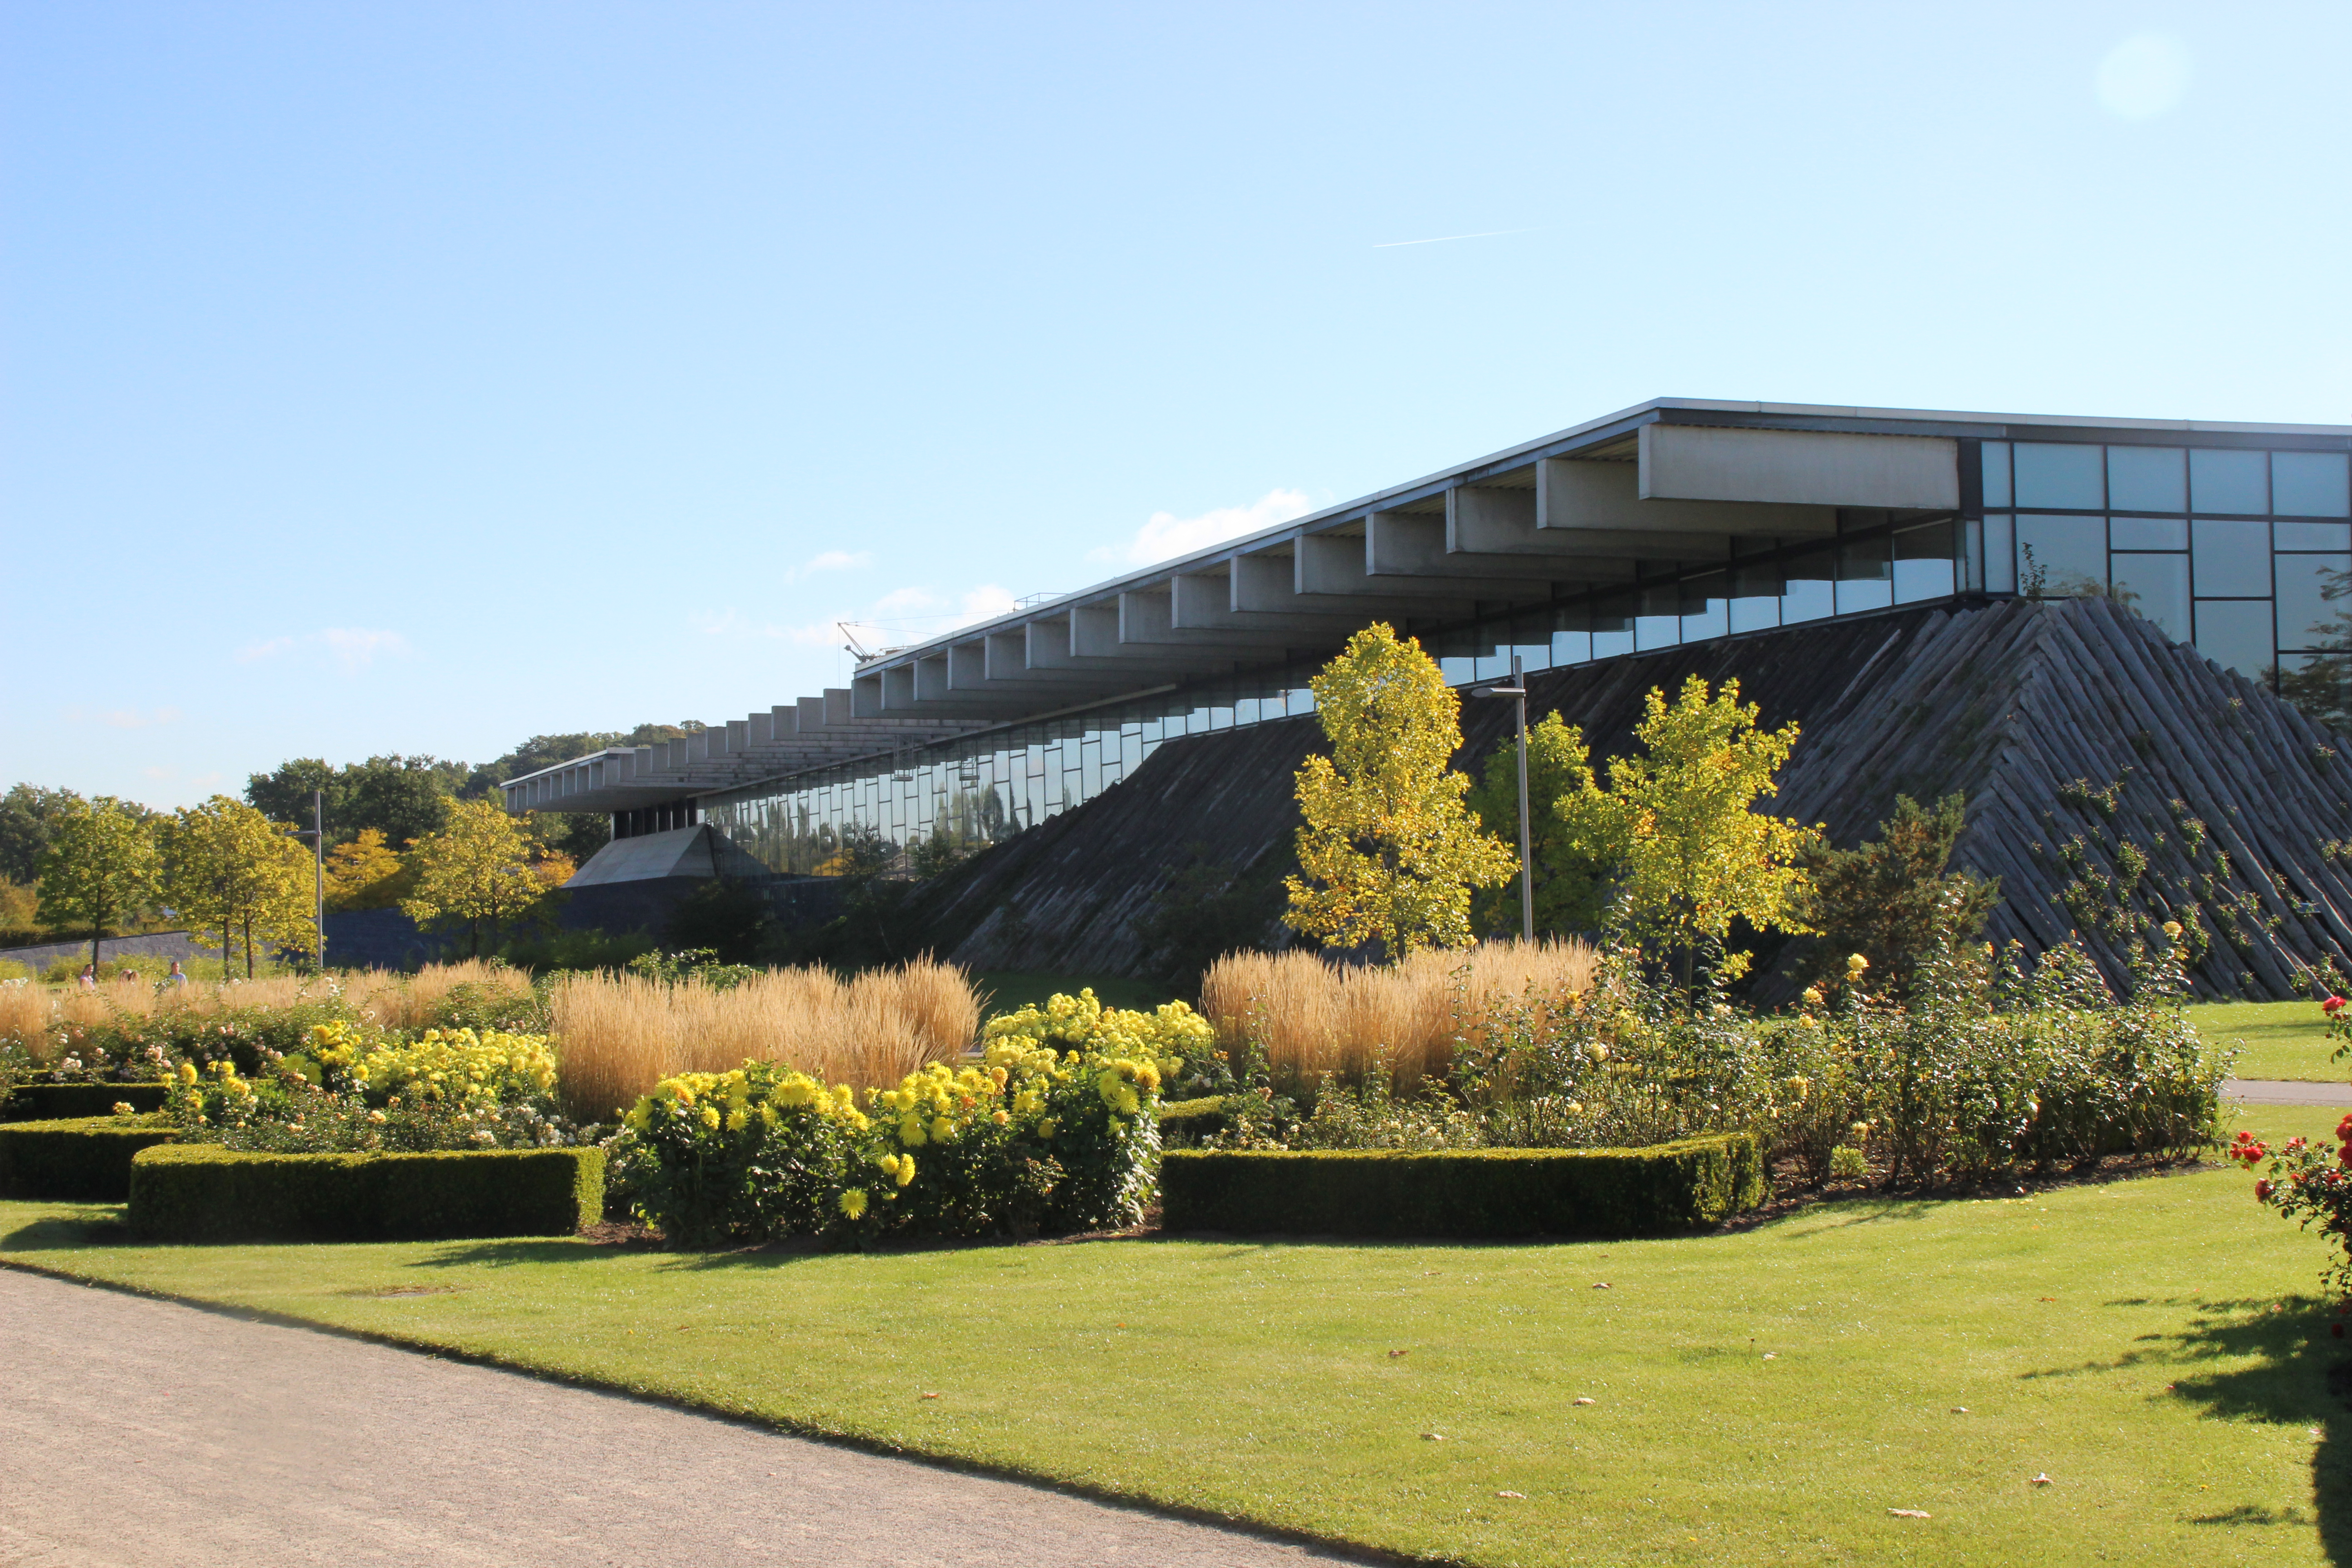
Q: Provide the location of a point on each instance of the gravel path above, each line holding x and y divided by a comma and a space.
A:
140, 1432
2286, 1091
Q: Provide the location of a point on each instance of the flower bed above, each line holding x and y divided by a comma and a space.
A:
80, 1160
204, 1193
1054, 1131
1683, 1185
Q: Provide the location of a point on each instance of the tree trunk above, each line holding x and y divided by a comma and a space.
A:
248, 944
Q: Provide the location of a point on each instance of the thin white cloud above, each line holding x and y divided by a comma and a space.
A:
840, 561
1165, 535
353, 648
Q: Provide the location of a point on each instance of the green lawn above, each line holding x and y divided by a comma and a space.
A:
2155, 1346
2275, 1039
1007, 991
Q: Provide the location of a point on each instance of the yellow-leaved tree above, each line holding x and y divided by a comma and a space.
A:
1388, 850
234, 871
1691, 854
478, 870
365, 874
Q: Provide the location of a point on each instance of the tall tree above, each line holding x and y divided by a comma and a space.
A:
28, 816
101, 869
478, 870
365, 874
404, 798
1571, 877
234, 871
1694, 853
1388, 850
1894, 901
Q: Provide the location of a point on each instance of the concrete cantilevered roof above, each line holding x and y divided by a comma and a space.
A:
1671, 480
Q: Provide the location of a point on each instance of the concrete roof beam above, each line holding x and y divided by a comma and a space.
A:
1146, 618
1604, 501
1338, 567
1204, 601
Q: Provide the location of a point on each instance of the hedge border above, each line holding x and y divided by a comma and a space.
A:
66, 1101
202, 1191
1183, 1120
1689, 1185
84, 1159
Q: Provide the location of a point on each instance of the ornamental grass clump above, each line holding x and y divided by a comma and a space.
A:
1053, 1131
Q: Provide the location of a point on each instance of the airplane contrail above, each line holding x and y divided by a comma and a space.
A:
1441, 239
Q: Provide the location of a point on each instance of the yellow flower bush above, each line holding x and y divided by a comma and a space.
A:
461, 1066
1053, 1128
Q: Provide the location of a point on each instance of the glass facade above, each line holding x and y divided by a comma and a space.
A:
2232, 548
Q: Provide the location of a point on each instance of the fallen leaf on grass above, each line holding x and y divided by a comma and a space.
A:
2043, 1479
931, 1397
1959, 1410
1434, 1436
1521, 1496
1604, 1285
1910, 1513
1393, 1354
1771, 1355
1588, 1399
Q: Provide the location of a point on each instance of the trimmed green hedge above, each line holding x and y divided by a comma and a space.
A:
87, 1158
201, 1191
1684, 1185
1184, 1121
58, 1102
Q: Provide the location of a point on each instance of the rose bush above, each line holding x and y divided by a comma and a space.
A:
2310, 1183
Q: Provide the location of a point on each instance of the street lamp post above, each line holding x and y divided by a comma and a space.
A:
1517, 692
317, 834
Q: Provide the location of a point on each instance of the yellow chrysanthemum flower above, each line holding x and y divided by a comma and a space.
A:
853, 1203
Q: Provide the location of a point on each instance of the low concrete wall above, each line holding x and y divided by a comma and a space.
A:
176, 945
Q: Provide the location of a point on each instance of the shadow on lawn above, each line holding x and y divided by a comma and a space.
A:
57, 1232
2303, 1378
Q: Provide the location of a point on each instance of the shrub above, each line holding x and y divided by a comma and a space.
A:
1184, 1123
199, 1192
1672, 1186
86, 1159
59, 1101
2311, 1185
1032, 1139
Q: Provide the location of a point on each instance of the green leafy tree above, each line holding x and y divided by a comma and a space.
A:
28, 816
1389, 852
233, 870
101, 868
1572, 877
1693, 854
1893, 900
478, 870
404, 798
366, 874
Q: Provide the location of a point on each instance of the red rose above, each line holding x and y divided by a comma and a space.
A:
2332, 1006
2344, 1128
2262, 1191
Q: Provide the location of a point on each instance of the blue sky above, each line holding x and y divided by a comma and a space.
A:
419, 378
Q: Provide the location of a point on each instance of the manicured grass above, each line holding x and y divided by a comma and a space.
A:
2274, 1039
1009, 991
2155, 1345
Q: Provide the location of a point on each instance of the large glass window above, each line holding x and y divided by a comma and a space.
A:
1659, 623
1999, 554
1755, 598
2158, 588
2228, 481
2056, 475
2063, 551
1612, 626
2235, 634
1865, 574
2233, 558
1923, 563
2147, 478
2311, 484
2147, 533
1706, 606
1811, 592
2311, 536
2307, 618
1995, 473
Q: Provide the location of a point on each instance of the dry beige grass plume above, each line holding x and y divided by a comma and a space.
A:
619, 1035
1314, 1016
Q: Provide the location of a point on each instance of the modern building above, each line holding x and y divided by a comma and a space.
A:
1674, 522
